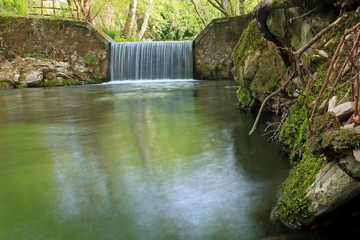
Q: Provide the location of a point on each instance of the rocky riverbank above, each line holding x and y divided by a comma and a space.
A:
293, 55
51, 52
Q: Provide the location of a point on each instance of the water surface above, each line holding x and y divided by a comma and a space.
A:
166, 160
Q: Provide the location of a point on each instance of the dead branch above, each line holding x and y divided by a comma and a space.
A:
342, 69
336, 54
302, 16
266, 99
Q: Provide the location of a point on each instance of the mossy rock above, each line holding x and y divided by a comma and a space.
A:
342, 140
293, 205
320, 127
245, 99
250, 40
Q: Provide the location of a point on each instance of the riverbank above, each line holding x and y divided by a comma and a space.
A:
36, 52
304, 81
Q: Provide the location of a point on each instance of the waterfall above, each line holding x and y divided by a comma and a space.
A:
151, 60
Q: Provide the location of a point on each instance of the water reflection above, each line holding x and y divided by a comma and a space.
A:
136, 161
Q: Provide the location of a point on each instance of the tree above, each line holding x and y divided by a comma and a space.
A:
145, 22
130, 19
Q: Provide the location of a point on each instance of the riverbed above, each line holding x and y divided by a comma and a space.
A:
135, 160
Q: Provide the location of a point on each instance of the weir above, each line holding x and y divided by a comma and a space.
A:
151, 60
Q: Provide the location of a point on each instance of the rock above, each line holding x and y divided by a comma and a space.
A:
63, 75
347, 126
33, 76
344, 111
62, 65
346, 98
340, 141
333, 103
332, 188
356, 153
351, 165
9, 75
6, 64
320, 127
323, 53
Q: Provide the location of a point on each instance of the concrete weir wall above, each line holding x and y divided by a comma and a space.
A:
80, 44
213, 47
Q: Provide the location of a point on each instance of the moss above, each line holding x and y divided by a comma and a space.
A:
319, 127
90, 58
293, 133
342, 140
245, 98
50, 83
250, 40
293, 205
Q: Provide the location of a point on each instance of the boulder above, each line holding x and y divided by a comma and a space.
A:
33, 76
344, 111
351, 165
332, 188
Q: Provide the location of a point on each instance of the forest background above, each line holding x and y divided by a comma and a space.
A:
135, 20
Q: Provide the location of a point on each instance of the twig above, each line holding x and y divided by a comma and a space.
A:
336, 54
304, 15
197, 12
264, 102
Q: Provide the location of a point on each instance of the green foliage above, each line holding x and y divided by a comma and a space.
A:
16, 7
250, 40
90, 58
293, 206
245, 98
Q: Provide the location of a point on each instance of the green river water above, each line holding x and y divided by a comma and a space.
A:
153, 160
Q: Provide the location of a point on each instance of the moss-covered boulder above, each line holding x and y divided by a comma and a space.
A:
320, 127
257, 64
332, 188
293, 205
342, 140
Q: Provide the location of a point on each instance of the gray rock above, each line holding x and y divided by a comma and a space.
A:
333, 103
344, 111
33, 76
7, 75
6, 64
351, 164
323, 53
332, 187
347, 126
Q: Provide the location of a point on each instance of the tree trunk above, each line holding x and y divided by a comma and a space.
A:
242, 7
71, 9
145, 22
130, 19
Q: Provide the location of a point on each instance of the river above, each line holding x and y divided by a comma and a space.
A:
139, 160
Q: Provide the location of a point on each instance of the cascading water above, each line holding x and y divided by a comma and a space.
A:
151, 60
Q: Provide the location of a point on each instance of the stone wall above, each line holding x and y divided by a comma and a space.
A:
79, 45
213, 48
